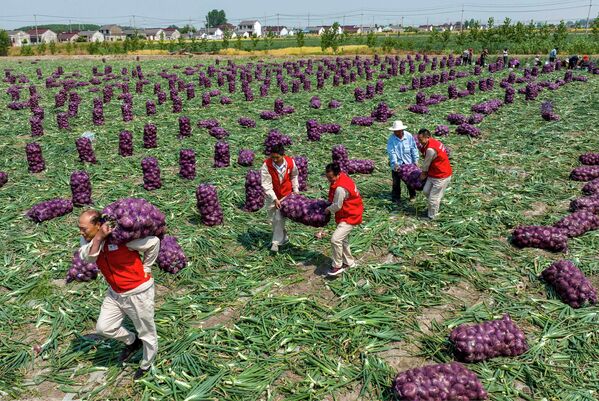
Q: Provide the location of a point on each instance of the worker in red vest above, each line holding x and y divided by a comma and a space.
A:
436, 169
279, 179
347, 206
131, 287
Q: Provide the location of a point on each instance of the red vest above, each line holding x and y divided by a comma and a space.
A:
281, 188
352, 208
122, 267
440, 167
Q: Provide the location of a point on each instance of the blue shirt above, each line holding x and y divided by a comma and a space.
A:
552, 53
402, 151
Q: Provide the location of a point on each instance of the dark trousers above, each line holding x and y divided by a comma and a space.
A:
396, 190
505, 60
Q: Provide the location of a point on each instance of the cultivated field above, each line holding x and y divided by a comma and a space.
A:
239, 323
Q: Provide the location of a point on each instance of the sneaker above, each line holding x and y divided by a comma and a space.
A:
335, 271
350, 266
130, 350
139, 373
412, 199
274, 247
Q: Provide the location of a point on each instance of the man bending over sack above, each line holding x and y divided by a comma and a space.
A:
131, 287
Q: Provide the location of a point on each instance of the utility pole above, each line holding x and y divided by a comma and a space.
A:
462, 19
308, 18
278, 21
37, 37
70, 26
401, 23
588, 16
134, 22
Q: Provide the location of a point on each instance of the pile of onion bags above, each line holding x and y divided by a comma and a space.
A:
81, 270
542, 237
254, 194
208, 205
135, 218
479, 342
310, 212
50, 209
578, 223
449, 381
171, 257
570, 284
588, 203
410, 174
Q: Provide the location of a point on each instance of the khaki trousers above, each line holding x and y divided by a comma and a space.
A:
279, 233
340, 242
140, 309
434, 190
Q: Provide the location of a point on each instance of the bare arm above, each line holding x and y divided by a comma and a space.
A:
430, 155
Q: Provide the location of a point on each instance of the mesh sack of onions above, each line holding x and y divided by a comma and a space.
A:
254, 194
362, 121
187, 164
410, 174
468, 129
542, 237
150, 136
171, 257
305, 211
81, 270
585, 173
81, 188
246, 122
301, 163
209, 123
588, 203
222, 155
275, 138
245, 157
208, 205
359, 166
591, 187
125, 144
441, 130
449, 381
479, 342
35, 160
570, 284
590, 159
50, 209
85, 150
151, 173
3, 178
578, 223
134, 218
456, 119
218, 132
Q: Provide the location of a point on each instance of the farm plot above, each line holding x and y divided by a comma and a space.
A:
239, 323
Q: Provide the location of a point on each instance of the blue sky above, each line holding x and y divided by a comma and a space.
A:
154, 13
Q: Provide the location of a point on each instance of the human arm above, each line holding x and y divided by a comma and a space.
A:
393, 156
414, 150
340, 195
148, 247
267, 183
90, 251
430, 155
294, 178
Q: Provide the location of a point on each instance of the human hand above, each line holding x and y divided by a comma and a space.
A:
327, 211
320, 234
423, 176
277, 203
104, 231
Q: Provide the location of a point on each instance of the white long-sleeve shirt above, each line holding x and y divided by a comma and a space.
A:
340, 195
148, 247
429, 156
267, 179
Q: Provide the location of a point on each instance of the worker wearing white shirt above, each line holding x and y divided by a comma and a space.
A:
279, 176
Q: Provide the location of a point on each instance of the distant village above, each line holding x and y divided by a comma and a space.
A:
245, 29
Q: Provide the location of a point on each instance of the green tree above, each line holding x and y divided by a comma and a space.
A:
215, 18
237, 44
330, 38
187, 29
474, 31
445, 36
69, 47
371, 40
300, 39
4, 43
52, 47
41, 48
226, 38
269, 40
389, 44
595, 28
26, 50
255, 40
560, 34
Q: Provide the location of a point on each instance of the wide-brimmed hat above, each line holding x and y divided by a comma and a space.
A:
398, 125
